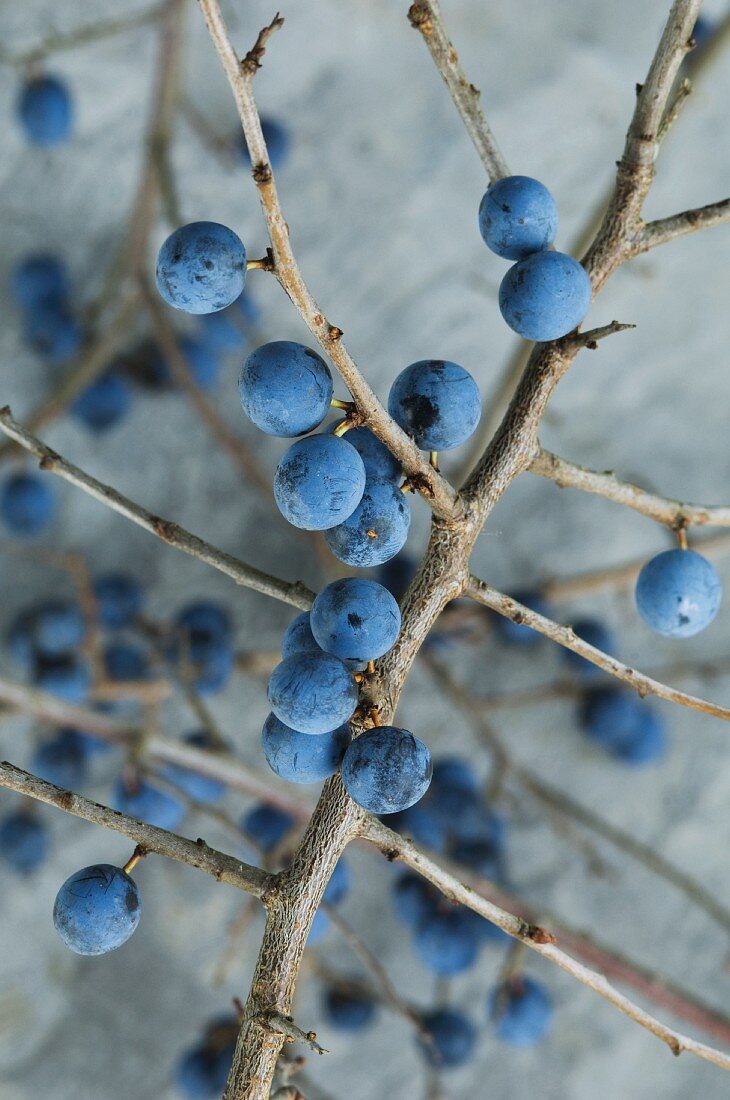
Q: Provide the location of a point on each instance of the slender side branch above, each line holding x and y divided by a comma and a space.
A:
673, 513
440, 495
248, 576
538, 939
425, 16
563, 635
680, 225
284, 1025
222, 867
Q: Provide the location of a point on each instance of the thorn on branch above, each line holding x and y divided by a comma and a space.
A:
252, 61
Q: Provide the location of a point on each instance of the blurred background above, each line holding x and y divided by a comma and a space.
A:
380, 186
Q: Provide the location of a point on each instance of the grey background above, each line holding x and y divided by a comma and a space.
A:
381, 194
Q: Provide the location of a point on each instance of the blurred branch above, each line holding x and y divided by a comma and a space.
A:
295, 593
563, 635
673, 513
95, 32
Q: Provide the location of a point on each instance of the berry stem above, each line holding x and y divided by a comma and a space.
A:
138, 854
343, 426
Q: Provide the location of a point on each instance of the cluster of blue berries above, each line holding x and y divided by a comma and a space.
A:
41, 287
545, 294
350, 488
313, 694
45, 111
202, 1071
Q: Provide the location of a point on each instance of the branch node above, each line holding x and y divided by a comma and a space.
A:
251, 63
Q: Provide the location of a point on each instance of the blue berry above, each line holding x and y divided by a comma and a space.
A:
346, 1011
414, 899
203, 646
545, 296
303, 757
24, 841
355, 619
221, 332
53, 332
521, 1011
62, 760
421, 824
45, 111
124, 661
298, 637
27, 504
516, 633
285, 388
58, 628
623, 724
39, 278
203, 361
377, 459
203, 620
201, 788
267, 826
396, 574
319, 482
201, 267
68, 677
97, 909
277, 141
454, 790
446, 942
312, 692
678, 593
386, 770
600, 637
20, 642
377, 529
119, 599
104, 403
453, 1039
517, 216
195, 1075
649, 744
437, 402
148, 803
338, 886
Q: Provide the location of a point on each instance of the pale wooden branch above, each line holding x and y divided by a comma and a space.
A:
439, 494
680, 225
563, 635
425, 16
248, 576
222, 867
673, 513
535, 937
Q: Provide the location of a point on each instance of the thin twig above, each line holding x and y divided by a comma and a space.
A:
440, 495
285, 1026
222, 867
680, 225
673, 513
425, 16
248, 576
564, 636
